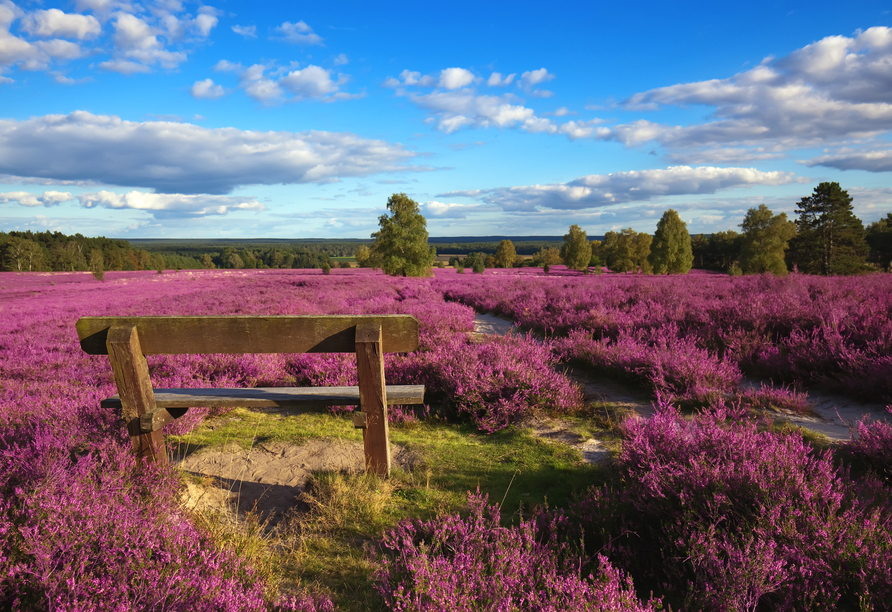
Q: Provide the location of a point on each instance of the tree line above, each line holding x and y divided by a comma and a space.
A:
826, 238
57, 252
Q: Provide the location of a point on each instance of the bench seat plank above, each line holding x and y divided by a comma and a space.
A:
250, 334
264, 397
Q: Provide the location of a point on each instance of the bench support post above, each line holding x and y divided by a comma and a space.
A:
373, 399
135, 389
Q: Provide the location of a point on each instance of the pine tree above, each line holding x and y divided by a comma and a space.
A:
765, 240
670, 250
831, 239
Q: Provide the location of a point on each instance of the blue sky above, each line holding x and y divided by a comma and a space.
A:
232, 119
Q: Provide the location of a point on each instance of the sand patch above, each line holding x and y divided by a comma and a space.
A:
270, 476
558, 431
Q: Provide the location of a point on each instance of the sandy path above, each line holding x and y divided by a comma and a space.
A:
271, 475
836, 413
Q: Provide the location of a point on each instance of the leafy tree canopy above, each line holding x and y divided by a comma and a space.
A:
627, 251
879, 238
670, 251
577, 250
505, 254
765, 240
401, 243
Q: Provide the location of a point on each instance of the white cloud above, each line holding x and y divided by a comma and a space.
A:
207, 90
410, 78
246, 31
185, 158
530, 79
443, 210
535, 77
299, 33
55, 23
60, 49
204, 22
162, 205
563, 112
848, 159
311, 82
599, 190
496, 79
834, 89
455, 78
15, 50
124, 66
341, 60
136, 42
46, 199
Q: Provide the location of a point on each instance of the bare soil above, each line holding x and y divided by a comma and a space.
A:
270, 476
835, 415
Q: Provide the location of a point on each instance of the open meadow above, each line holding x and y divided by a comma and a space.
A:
712, 498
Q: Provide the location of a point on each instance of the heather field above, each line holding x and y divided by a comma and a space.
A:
710, 504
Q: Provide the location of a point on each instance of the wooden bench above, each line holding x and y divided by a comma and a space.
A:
126, 340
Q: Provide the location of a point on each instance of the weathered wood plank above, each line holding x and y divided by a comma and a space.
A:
131, 374
268, 397
250, 334
373, 398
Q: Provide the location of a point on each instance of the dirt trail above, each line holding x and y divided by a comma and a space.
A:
836, 413
270, 476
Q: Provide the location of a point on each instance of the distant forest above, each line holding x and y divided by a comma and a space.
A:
54, 251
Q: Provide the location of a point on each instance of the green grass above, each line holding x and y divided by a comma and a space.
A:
330, 547
815, 439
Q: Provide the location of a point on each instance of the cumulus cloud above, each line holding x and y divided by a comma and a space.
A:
140, 37
246, 31
298, 33
455, 78
409, 78
47, 199
341, 60
599, 190
497, 80
207, 90
312, 82
454, 103
184, 158
836, 88
55, 23
161, 205
136, 42
531, 79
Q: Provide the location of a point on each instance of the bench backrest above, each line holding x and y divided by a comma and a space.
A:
250, 334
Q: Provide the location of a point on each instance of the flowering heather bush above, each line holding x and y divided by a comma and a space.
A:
474, 564
874, 444
81, 527
671, 366
775, 398
719, 516
494, 383
797, 328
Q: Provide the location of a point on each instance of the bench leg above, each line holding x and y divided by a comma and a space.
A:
135, 389
373, 399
